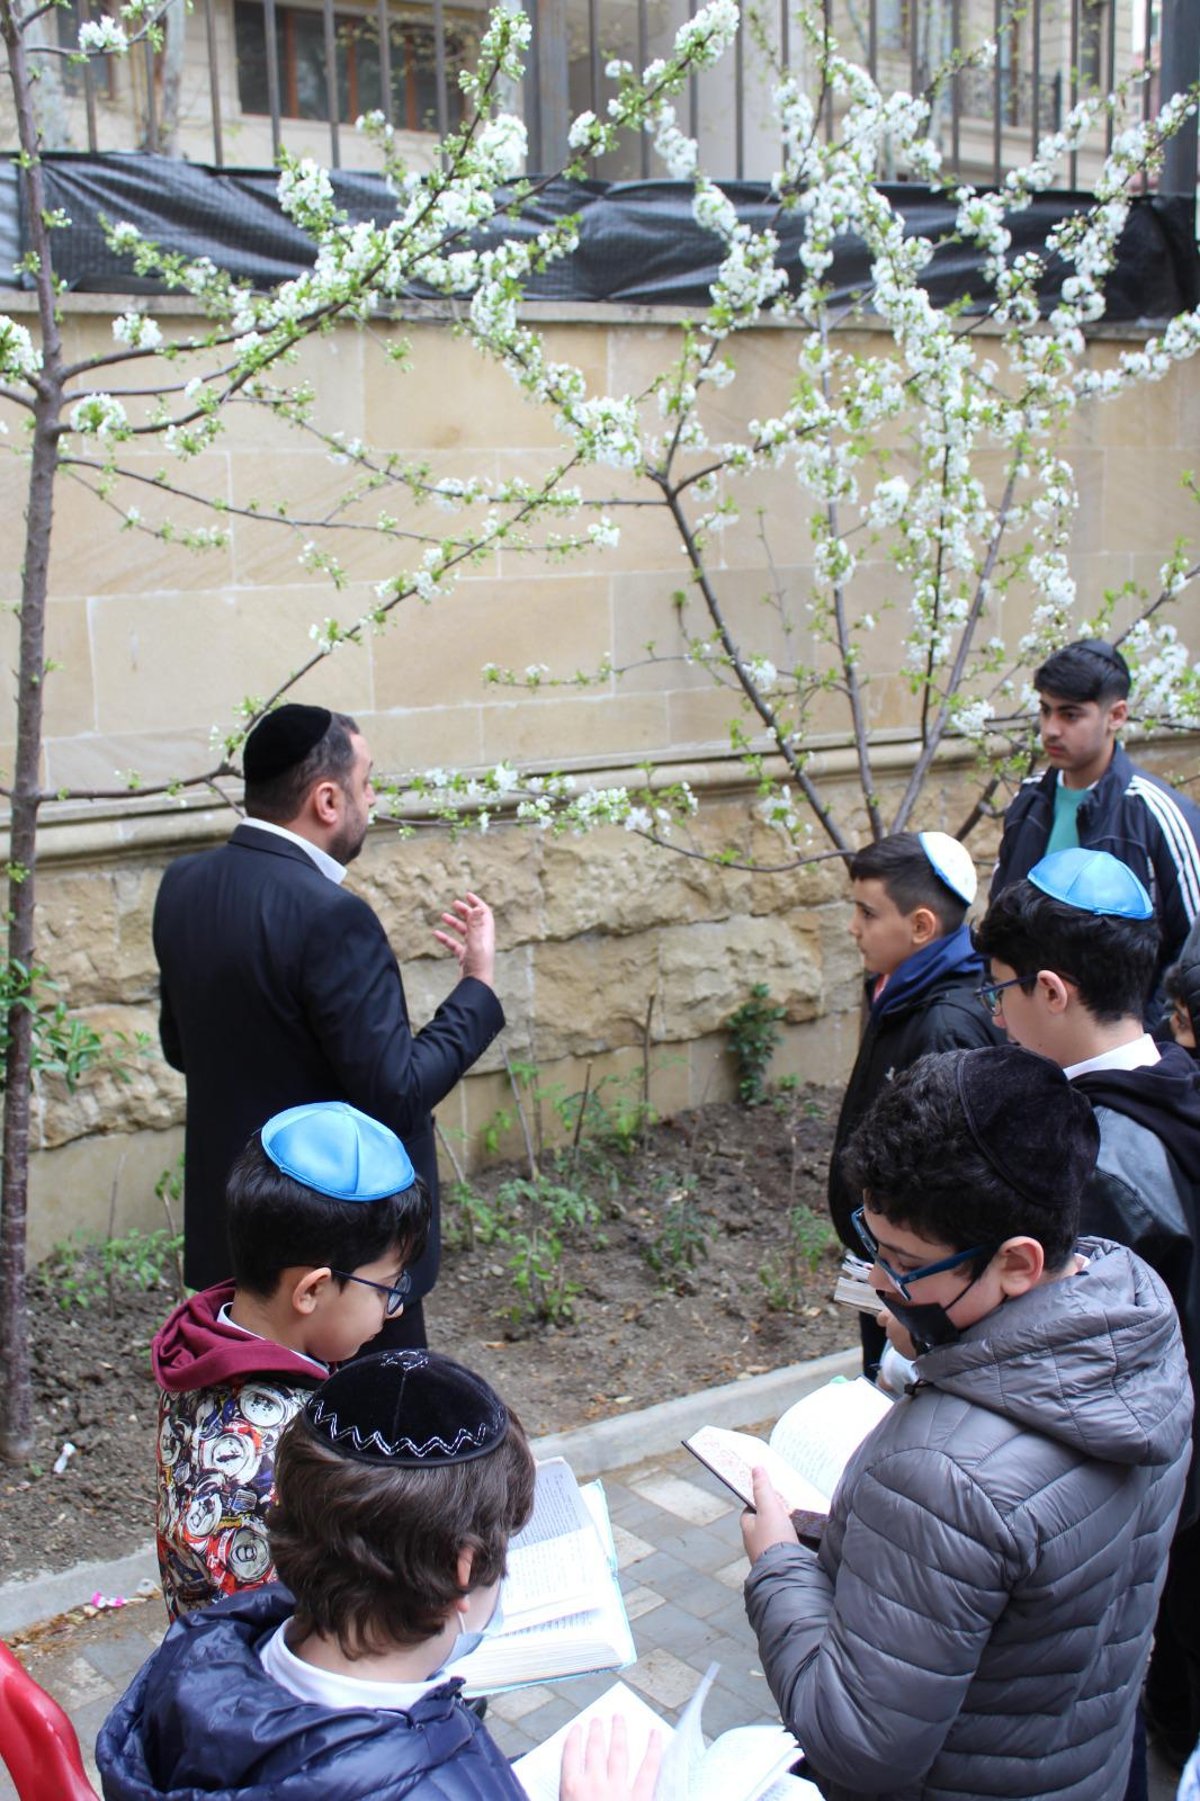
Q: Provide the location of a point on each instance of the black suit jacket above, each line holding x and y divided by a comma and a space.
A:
279, 987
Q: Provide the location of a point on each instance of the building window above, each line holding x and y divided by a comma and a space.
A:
303, 90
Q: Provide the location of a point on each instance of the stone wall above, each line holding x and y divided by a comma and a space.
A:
156, 647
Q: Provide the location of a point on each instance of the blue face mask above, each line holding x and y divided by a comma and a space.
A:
466, 1642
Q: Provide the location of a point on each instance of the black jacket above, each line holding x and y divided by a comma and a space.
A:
203, 1719
1145, 1192
279, 987
1130, 814
947, 1016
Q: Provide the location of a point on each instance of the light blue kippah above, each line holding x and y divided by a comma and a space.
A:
1094, 882
332, 1147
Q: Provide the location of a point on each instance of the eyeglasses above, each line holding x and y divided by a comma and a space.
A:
397, 1293
903, 1282
990, 993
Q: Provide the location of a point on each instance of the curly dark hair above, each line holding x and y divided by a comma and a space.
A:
371, 1551
914, 1158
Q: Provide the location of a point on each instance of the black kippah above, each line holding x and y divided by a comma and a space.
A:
283, 739
411, 1409
1038, 1132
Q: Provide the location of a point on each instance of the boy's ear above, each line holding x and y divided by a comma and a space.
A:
1118, 715
1021, 1264
307, 1290
1056, 993
466, 1564
924, 925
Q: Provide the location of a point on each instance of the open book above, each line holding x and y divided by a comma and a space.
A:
853, 1287
562, 1613
808, 1449
749, 1763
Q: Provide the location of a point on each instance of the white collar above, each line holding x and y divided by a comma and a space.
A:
328, 1688
329, 866
1139, 1053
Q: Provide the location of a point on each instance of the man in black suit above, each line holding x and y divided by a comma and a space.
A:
279, 986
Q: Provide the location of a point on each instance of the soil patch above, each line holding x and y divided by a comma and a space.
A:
709, 1257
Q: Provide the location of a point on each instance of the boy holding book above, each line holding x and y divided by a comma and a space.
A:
324, 1215
911, 893
977, 1619
399, 1486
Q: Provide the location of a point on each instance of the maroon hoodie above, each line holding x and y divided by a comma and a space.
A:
225, 1398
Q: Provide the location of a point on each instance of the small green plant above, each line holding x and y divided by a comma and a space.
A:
684, 1238
85, 1275
541, 1215
469, 1218
753, 1036
809, 1237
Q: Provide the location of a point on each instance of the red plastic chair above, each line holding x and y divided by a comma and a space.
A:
37, 1740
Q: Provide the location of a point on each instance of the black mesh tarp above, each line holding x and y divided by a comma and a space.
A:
639, 243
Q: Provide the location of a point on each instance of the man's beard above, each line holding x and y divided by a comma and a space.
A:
348, 842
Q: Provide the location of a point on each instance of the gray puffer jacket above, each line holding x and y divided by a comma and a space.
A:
978, 1618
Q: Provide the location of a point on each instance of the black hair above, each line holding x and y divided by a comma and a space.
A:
330, 759
1089, 669
276, 1223
914, 1158
1111, 961
909, 878
370, 1551
1182, 985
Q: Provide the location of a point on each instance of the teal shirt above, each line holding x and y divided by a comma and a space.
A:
1064, 833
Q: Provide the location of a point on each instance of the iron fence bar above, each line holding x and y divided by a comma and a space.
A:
1074, 160
739, 105
827, 97
956, 82
1147, 53
1110, 78
998, 94
439, 68
914, 46
872, 37
642, 59
89, 89
694, 84
214, 85
331, 82
1035, 130
593, 13
1179, 63
385, 60
273, 104
151, 110
551, 68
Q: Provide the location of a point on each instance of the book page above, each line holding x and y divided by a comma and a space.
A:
744, 1762
679, 1777
538, 1771
820, 1434
557, 1562
731, 1456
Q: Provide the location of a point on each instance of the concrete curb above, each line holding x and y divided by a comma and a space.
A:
609, 1444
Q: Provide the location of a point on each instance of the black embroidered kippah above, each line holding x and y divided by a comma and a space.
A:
412, 1409
283, 739
1037, 1131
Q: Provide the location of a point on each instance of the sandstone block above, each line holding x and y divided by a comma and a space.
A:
77, 934
410, 881
612, 880
128, 1090
71, 1188
590, 994
708, 970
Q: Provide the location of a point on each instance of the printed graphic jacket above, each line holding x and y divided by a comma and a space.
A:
203, 1719
225, 1398
1133, 816
978, 1618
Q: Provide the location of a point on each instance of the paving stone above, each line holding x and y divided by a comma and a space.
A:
519, 1702
678, 1630
639, 1601
630, 1548
734, 1574
663, 1678
682, 1498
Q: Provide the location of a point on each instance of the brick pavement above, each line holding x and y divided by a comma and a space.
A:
681, 1565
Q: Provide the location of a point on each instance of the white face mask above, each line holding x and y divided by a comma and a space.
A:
468, 1641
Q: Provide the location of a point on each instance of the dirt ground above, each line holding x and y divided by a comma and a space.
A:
710, 1197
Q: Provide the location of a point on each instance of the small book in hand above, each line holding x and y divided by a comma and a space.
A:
808, 1449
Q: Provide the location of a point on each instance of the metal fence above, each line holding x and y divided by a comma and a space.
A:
321, 62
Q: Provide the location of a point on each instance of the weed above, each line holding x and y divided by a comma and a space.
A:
683, 1241
753, 1036
809, 1238
84, 1275
539, 1215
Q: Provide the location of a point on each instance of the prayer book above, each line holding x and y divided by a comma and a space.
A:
561, 1609
748, 1763
853, 1287
808, 1449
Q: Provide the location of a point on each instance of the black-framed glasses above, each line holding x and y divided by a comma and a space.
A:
903, 1280
990, 992
397, 1292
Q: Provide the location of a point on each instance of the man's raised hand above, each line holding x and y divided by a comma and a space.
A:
472, 937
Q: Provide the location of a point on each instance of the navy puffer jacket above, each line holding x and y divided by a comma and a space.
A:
203, 1719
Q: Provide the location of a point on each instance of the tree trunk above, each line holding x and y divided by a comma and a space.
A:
16, 1394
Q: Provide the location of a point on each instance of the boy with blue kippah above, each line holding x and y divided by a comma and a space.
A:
1072, 951
400, 1484
325, 1214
